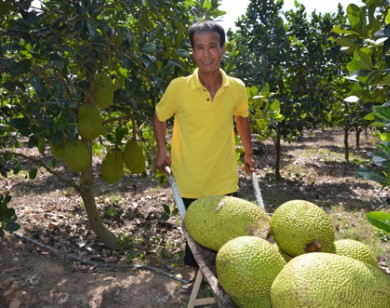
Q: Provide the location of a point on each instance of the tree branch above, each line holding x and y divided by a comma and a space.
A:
72, 257
63, 178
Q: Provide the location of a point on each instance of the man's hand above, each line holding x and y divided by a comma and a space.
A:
161, 161
249, 164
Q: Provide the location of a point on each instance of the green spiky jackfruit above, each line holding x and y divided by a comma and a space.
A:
76, 156
103, 94
90, 122
214, 220
328, 280
246, 266
133, 156
57, 150
299, 227
355, 249
112, 166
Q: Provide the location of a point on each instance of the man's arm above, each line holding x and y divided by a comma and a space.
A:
159, 129
244, 131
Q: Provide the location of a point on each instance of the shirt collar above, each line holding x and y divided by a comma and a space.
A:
197, 84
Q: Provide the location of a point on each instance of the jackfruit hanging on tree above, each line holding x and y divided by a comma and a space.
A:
90, 122
103, 94
112, 166
57, 150
134, 157
76, 156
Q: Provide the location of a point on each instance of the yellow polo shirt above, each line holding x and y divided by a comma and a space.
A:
203, 147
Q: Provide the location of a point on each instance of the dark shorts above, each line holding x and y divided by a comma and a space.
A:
189, 259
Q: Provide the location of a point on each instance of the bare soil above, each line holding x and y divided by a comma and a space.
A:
56, 261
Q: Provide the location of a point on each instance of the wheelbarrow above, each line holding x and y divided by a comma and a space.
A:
206, 258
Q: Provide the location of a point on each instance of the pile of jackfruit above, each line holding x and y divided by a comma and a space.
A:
287, 259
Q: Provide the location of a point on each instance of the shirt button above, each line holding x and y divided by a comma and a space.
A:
208, 99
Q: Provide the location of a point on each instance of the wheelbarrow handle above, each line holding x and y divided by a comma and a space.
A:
256, 188
175, 192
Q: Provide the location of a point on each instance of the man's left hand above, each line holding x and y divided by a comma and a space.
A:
249, 164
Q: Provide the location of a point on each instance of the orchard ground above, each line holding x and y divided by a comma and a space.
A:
50, 213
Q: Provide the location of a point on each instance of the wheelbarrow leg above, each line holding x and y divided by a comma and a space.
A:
194, 301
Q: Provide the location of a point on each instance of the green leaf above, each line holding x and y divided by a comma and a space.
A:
363, 59
372, 175
380, 220
165, 216
167, 209
38, 85
207, 5
22, 125
345, 41
369, 117
149, 47
91, 30
57, 61
41, 145
339, 30
356, 17
19, 68
384, 136
387, 19
32, 173
12, 227
382, 112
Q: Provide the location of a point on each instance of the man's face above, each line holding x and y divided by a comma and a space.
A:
207, 53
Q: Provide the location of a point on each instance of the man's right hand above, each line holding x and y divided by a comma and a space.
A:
159, 129
161, 161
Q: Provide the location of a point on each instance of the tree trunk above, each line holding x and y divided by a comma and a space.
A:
88, 195
346, 145
277, 159
357, 134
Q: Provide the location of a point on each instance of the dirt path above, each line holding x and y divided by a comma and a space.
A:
32, 279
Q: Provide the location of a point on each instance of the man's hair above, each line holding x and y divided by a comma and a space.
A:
206, 27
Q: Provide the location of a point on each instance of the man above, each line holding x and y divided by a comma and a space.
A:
203, 104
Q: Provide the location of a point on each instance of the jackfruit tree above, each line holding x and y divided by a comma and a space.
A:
78, 76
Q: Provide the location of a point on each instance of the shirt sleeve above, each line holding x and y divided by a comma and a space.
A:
242, 108
167, 105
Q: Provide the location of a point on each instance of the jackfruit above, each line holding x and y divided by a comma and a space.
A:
76, 156
133, 157
214, 220
328, 280
300, 227
285, 256
90, 122
103, 95
57, 150
356, 250
246, 266
112, 166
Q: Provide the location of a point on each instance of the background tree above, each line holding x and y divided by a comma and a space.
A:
365, 36
291, 54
